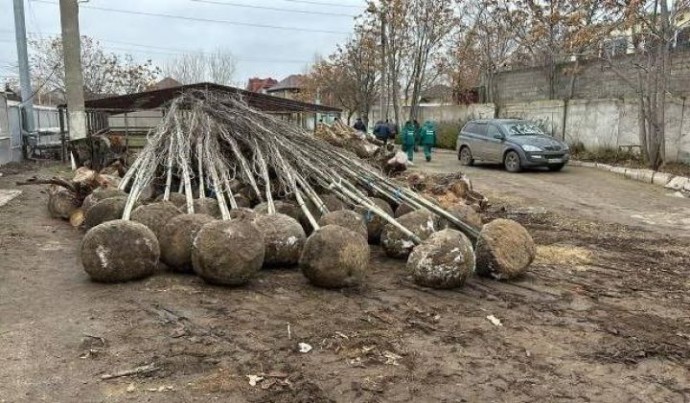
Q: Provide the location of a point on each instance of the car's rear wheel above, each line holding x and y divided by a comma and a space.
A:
556, 167
512, 162
465, 156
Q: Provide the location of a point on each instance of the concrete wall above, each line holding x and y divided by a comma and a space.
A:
596, 79
598, 123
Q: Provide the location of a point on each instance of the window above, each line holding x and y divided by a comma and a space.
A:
616, 47
493, 131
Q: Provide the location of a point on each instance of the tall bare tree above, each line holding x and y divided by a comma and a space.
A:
218, 67
350, 77
654, 24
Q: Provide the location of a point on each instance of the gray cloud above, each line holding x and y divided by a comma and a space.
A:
261, 51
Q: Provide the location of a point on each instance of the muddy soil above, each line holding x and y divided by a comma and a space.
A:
602, 316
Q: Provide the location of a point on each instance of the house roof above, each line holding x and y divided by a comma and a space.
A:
291, 82
258, 84
158, 98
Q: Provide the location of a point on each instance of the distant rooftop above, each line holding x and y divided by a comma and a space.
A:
291, 82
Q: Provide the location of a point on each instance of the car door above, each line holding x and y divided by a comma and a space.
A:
469, 138
480, 147
494, 143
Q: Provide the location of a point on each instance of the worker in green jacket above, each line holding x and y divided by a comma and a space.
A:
427, 135
409, 139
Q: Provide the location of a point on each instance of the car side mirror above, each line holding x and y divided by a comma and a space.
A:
499, 136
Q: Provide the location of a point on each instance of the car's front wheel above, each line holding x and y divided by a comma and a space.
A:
465, 156
512, 162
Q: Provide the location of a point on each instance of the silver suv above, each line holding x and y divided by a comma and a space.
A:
517, 144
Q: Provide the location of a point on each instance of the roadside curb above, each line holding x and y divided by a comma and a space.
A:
668, 181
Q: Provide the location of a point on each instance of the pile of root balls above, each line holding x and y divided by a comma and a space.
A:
222, 191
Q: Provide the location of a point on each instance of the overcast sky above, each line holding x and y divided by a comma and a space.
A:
261, 51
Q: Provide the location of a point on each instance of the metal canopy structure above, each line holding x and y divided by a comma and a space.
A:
159, 98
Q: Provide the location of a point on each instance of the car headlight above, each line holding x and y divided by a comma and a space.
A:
530, 148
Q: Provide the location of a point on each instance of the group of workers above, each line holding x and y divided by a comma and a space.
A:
412, 135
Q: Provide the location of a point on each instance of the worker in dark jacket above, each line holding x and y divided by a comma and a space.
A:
409, 139
359, 125
427, 137
382, 132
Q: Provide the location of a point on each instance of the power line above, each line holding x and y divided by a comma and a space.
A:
174, 51
199, 19
284, 10
321, 3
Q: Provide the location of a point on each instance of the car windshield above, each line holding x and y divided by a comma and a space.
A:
522, 129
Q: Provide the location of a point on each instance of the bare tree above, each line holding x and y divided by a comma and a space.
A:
432, 21
350, 77
217, 67
104, 72
654, 23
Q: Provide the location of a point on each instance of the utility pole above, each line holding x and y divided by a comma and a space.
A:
74, 80
23, 59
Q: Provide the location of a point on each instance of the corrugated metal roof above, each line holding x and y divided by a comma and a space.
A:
157, 98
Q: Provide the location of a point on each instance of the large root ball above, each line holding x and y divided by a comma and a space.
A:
332, 202
105, 210
335, 257
396, 244
346, 219
228, 252
282, 207
242, 201
178, 199
504, 250
155, 216
176, 240
444, 260
403, 209
283, 237
242, 213
118, 251
464, 213
62, 203
101, 194
207, 206
373, 221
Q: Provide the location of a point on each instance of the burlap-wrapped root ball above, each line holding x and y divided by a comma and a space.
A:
178, 199
373, 221
118, 251
228, 252
242, 213
464, 213
155, 216
403, 209
207, 206
444, 260
335, 257
62, 203
283, 237
504, 250
346, 219
176, 239
105, 210
396, 244
281, 207
101, 194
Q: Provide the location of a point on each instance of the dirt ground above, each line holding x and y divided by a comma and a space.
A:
603, 316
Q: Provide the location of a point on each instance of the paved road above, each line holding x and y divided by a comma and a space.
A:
578, 191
